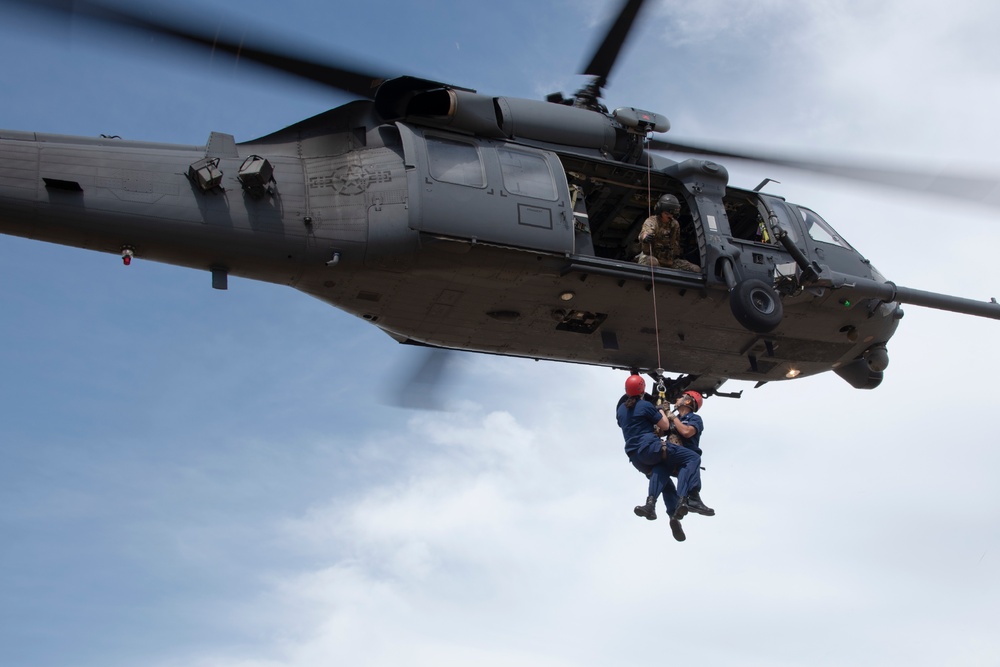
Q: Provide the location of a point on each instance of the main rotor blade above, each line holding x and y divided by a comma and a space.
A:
966, 187
337, 76
606, 54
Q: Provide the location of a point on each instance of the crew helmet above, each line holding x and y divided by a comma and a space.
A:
635, 386
669, 204
696, 397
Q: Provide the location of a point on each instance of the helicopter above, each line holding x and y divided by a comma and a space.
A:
456, 220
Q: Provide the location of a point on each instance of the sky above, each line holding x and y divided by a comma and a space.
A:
196, 477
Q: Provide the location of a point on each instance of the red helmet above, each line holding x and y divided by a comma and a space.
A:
635, 386
696, 397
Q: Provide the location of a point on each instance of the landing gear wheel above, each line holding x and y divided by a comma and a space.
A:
756, 305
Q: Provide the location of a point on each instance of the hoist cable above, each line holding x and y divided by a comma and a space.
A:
652, 273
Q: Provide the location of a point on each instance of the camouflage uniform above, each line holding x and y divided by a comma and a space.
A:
666, 240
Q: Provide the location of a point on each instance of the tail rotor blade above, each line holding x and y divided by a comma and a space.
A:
424, 387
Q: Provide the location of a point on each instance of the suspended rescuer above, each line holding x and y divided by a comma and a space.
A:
638, 419
660, 237
685, 430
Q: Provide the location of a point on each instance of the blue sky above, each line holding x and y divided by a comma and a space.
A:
206, 478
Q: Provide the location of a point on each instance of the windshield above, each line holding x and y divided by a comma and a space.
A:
819, 230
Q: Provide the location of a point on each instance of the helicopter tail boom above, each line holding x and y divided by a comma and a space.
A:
139, 199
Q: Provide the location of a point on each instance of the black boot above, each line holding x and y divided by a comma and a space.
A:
648, 510
695, 505
677, 530
682, 509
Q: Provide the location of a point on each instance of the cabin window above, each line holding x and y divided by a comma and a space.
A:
784, 218
455, 162
526, 174
745, 220
819, 230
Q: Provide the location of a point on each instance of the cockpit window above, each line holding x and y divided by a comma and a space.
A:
455, 162
526, 174
819, 230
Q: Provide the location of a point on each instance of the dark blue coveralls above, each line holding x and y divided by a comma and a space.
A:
691, 419
652, 457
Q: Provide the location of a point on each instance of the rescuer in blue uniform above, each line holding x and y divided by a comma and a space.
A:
686, 428
638, 419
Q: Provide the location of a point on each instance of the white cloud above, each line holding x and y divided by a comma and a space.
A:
502, 539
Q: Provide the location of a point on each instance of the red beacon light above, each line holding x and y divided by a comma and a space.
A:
127, 255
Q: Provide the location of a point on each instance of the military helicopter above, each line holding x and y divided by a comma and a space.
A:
456, 220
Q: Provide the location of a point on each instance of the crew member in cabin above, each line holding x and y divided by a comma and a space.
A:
660, 237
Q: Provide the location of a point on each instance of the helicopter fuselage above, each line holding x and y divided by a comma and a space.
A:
447, 238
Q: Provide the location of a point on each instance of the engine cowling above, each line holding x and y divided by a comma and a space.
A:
434, 104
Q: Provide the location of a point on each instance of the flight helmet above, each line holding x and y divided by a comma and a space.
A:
669, 204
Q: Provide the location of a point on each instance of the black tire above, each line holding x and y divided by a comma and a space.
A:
756, 305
